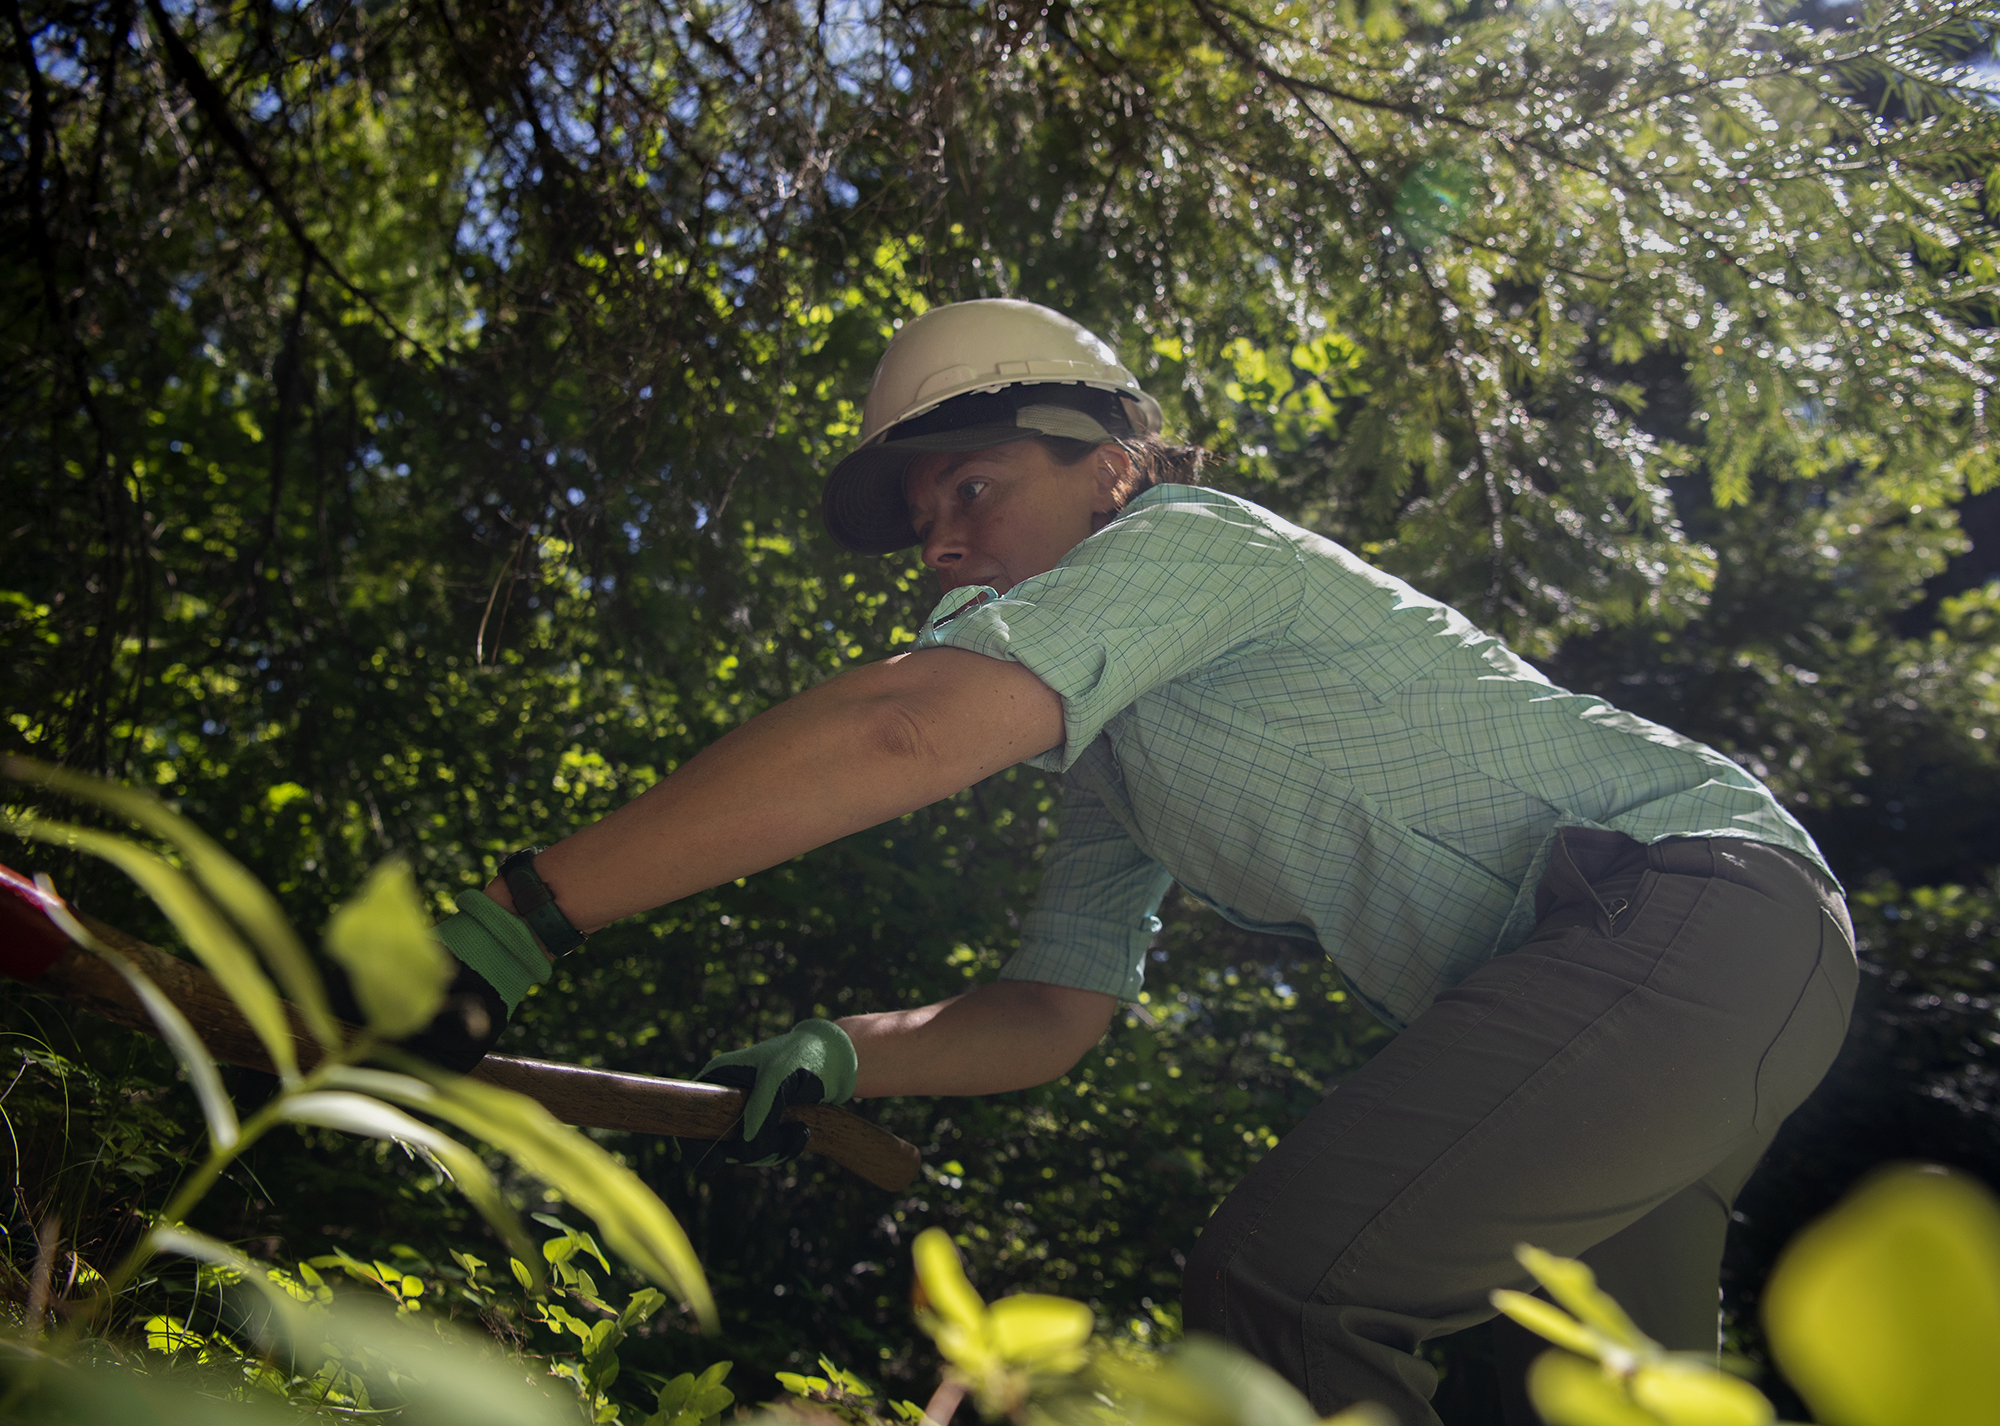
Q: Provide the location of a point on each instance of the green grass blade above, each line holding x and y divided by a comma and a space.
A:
216, 1105
370, 1117
636, 1224
228, 881
208, 933
178, 1238
435, 1374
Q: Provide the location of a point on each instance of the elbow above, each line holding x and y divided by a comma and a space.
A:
893, 730
1073, 1021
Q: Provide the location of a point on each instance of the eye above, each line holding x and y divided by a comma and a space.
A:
969, 490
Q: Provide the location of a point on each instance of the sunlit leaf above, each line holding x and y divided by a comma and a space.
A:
359, 1114
216, 1106
1573, 1285
636, 1225
1886, 1312
1256, 1395
227, 880
1545, 1319
287, 1313
1040, 1331
1569, 1391
942, 1277
207, 933
383, 939
1684, 1392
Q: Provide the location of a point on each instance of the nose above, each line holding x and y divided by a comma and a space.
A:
944, 546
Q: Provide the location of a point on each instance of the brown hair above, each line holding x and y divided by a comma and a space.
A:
1153, 462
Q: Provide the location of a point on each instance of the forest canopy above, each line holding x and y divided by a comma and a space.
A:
414, 415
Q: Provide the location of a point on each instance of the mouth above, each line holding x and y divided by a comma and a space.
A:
955, 580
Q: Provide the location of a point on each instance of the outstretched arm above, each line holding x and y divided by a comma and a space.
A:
1007, 1035
872, 744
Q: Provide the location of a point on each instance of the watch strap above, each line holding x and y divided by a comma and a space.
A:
536, 904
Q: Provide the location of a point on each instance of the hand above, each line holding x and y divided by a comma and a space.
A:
466, 1025
497, 960
812, 1063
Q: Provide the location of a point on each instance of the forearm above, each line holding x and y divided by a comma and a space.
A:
867, 746
1007, 1035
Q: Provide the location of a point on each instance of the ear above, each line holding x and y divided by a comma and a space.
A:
1111, 469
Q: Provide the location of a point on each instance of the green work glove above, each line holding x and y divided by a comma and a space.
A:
496, 943
811, 1063
497, 961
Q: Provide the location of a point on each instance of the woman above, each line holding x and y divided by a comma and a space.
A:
1614, 961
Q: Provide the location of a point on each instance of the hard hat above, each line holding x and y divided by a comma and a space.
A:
968, 376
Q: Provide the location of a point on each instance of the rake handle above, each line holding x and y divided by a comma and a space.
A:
587, 1098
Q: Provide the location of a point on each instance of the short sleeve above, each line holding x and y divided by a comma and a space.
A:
1097, 910
1182, 579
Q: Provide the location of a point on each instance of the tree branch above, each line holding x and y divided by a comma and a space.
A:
214, 107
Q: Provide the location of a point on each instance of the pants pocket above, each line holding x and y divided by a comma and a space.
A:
1812, 1036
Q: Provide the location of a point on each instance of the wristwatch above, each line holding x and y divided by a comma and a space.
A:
536, 904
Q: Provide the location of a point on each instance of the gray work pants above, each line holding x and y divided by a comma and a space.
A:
1602, 1092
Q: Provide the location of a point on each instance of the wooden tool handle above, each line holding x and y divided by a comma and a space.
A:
588, 1098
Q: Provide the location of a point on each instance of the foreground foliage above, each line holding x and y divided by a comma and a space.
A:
412, 420
1883, 1314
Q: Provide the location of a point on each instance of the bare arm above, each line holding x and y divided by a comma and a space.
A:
869, 745
872, 744
1007, 1035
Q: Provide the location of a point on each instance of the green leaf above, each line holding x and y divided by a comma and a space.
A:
642, 1305
207, 933
1039, 1331
195, 1061
383, 939
1569, 1391
1684, 1391
175, 1238
1258, 1395
360, 1114
636, 1225
227, 880
1886, 1311
1572, 1284
1545, 1319
1628, 344
943, 1280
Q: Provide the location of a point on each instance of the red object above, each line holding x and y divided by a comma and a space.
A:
29, 941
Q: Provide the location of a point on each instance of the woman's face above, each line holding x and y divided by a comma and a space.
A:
1007, 513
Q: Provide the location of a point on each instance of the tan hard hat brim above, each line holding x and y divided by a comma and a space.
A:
863, 503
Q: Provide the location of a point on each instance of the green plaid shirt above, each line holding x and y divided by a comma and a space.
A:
1312, 748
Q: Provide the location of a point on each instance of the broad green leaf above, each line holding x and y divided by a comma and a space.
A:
1569, 1391
1572, 1284
1038, 1331
636, 1225
195, 1061
169, 1335
1547, 1320
1886, 1312
689, 1400
360, 1114
383, 939
943, 1279
1256, 1395
440, 1376
208, 934
227, 880
1149, 1389
641, 1306
288, 1312
1685, 1392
